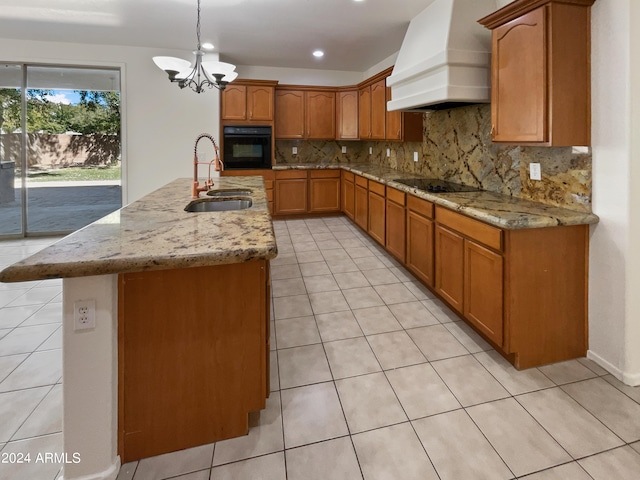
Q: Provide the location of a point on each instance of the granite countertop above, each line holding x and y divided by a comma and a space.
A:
497, 209
155, 233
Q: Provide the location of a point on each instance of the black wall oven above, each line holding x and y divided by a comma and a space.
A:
246, 146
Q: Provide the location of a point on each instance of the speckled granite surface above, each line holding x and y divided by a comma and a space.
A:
155, 233
496, 209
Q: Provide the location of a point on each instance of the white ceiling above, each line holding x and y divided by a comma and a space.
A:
278, 33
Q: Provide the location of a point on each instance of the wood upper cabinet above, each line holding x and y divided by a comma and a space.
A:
376, 211
378, 109
395, 223
394, 122
305, 114
248, 103
289, 114
320, 117
540, 91
361, 202
291, 192
324, 190
347, 115
364, 113
348, 194
420, 238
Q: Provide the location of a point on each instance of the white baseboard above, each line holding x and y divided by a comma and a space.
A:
110, 473
631, 379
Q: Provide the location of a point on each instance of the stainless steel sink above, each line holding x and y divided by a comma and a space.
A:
218, 204
229, 193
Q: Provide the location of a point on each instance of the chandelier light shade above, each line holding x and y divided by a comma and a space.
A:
200, 75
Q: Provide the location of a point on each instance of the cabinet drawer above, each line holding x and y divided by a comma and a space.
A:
395, 196
329, 173
481, 232
348, 176
420, 206
363, 182
291, 174
376, 187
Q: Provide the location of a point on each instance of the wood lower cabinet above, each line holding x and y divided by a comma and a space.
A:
395, 224
348, 194
420, 238
361, 203
324, 191
291, 192
449, 262
377, 212
483, 290
190, 368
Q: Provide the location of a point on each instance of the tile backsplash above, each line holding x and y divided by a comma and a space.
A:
456, 146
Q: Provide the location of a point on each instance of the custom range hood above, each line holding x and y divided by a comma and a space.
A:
445, 58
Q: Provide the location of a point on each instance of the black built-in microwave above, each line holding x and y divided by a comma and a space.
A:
247, 146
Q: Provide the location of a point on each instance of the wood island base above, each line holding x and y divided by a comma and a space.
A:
193, 348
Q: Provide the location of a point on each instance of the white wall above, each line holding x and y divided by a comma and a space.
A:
614, 265
300, 76
161, 121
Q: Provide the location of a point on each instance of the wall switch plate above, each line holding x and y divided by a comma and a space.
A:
415, 156
294, 151
388, 152
344, 149
534, 171
370, 150
84, 314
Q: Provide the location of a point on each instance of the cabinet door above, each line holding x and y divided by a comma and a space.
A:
449, 274
395, 239
324, 194
364, 113
393, 129
361, 207
377, 217
348, 198
378, 109
420, 246
234, 102
260, 103
320, 115
519, 80
291, 196
289, 114
483, 280
347, 115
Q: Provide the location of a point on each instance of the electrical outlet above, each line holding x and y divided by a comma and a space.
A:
415, 156
84, 314
370, 150
388, 152
344, 149
534, 171
294, 150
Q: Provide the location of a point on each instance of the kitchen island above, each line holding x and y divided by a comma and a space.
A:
178, 356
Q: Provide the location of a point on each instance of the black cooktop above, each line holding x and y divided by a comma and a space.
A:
434, 185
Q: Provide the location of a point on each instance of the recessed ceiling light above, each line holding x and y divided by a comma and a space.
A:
207, 46
318, 53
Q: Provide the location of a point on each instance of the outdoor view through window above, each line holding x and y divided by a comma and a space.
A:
60, 148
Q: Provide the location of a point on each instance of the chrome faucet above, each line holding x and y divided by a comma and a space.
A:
217, 166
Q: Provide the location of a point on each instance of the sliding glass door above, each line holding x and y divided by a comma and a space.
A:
67, 164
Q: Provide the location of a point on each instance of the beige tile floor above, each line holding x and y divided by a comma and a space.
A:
372, 378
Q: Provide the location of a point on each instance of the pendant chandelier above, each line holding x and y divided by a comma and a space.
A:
201, 75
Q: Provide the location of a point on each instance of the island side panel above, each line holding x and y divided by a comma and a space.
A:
193, 360
90, 380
